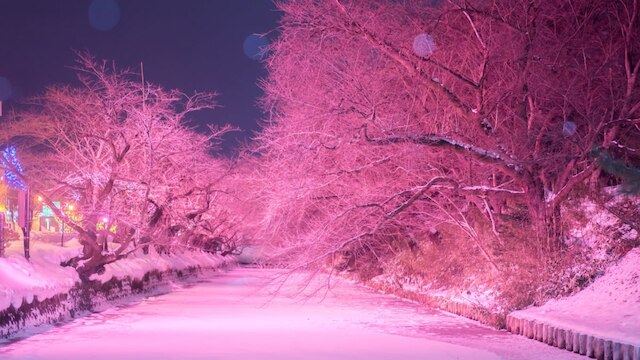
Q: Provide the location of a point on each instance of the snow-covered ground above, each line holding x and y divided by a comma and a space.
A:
239, 315
42, 275
609, 308
221, 317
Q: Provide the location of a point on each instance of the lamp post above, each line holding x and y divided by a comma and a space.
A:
1, 234
25, 217
2, 215
12, 176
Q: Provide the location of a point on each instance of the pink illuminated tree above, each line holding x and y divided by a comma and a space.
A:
120, 150
388, 119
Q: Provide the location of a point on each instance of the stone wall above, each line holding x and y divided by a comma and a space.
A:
477, 313
87, 297
570, 340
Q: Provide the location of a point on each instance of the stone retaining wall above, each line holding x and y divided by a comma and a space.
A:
477, 313
583, 344
579, 343
87, 297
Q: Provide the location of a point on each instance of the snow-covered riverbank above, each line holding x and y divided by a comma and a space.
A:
608, 309
245, 314
40, 291
603, 320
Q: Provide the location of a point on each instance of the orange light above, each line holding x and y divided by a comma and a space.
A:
39, 198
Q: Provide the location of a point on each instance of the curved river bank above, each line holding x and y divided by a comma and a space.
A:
243, 314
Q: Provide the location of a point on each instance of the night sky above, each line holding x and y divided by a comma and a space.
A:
191, 45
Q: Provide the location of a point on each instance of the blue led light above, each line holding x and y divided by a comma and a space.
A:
10, 163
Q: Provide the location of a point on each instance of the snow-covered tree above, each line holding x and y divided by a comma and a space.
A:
120, 150
388, 119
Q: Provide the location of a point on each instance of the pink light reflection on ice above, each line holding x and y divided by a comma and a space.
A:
236, 317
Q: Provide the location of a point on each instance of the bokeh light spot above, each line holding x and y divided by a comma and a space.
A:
5, 89
254, 46
424, 45
569, 128
104, 14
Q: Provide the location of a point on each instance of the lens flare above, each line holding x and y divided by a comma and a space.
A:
569, 128
424, 45
5, 89
104, 14
254, 46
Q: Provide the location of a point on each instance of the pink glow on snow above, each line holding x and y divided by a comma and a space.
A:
609, 308
42, 275
238, 315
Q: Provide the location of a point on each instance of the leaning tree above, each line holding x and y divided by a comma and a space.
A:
400, 116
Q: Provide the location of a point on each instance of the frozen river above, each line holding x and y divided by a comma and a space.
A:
241, 315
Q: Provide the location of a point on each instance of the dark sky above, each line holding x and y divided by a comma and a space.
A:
191, 45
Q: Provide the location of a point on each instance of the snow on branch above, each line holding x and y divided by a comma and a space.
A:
484, 189
417, 195
484, 155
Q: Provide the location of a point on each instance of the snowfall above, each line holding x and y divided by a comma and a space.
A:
249, 313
